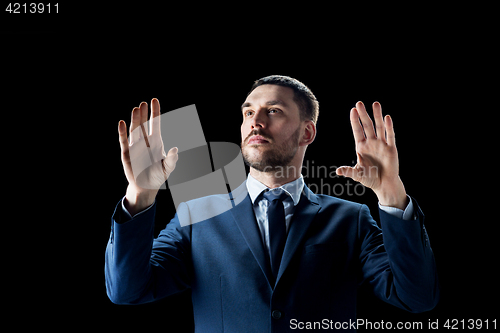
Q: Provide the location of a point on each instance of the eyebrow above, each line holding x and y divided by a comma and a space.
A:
272, 102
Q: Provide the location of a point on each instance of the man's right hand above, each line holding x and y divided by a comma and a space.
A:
144, 148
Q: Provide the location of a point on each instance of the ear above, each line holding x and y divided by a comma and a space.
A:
309, 133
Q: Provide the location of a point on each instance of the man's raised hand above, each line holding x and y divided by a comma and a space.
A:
377, 164
144, 161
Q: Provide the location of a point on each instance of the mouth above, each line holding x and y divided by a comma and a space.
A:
256, 140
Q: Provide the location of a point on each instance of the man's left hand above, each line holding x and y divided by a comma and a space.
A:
377, 164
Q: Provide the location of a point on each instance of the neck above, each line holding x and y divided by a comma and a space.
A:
278, 176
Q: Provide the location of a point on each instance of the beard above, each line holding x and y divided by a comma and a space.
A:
277, 157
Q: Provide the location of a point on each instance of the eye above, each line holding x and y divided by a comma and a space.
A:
248, 113
274, 110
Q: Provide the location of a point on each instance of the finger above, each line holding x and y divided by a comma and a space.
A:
127, 165
344, 170
389, 128
144, 112
365, 120
379, 121
357, 130
348, 171
135, 122
154, 122
170, 161
122, 136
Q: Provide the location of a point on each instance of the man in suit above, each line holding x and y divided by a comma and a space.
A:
283, 258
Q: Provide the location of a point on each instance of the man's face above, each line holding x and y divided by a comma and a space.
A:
271, 127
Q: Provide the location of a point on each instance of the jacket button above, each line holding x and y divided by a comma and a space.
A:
277, 314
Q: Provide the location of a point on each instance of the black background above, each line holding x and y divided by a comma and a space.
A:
67, 84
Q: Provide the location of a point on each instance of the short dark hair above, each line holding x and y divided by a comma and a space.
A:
303, 96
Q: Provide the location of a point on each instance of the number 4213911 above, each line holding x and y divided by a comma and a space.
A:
32, 8
455, 324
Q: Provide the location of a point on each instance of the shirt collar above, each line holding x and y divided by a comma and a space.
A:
293, 188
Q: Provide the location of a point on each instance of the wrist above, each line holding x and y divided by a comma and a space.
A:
393, 196
136, 201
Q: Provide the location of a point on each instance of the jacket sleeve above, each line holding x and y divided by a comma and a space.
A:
139, 269
398, 261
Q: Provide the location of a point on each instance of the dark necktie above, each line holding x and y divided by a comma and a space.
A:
277, 226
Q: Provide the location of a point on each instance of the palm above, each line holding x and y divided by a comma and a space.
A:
144, 160
376, 161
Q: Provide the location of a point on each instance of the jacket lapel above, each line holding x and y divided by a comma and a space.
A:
304, 214
244, 218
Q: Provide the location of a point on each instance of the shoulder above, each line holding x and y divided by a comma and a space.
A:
197, 210
329, 200
209, 202
204, 208
336, 207
347, 213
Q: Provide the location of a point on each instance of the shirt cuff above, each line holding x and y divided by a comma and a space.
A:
130, 215
406, 214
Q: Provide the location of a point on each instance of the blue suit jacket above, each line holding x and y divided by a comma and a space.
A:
332, 247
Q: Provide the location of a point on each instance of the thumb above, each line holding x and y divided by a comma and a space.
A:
345, 171
348, 171
352, 172
170, 161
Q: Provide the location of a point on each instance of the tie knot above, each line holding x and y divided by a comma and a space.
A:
276, 194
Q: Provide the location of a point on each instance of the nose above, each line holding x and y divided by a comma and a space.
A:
258, 120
